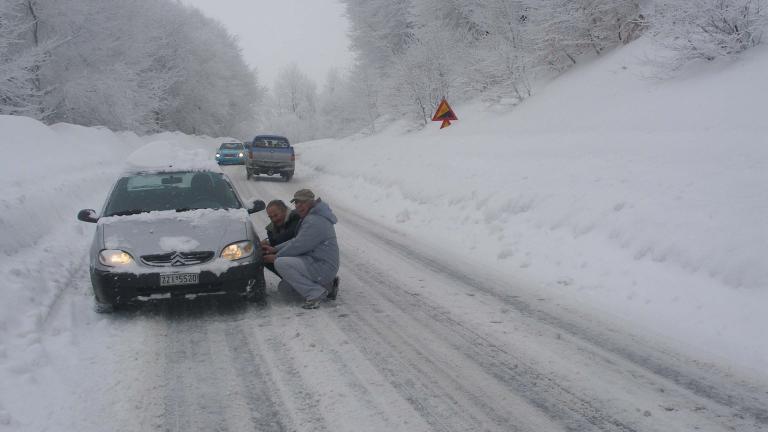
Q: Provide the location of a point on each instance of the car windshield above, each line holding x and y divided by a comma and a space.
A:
180, 191
270, 142
231, 146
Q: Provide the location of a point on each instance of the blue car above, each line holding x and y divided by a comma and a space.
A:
231, 153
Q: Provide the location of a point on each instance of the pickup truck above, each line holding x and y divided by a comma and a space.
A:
269, 154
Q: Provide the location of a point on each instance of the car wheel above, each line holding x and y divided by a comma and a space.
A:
257, 293
248, 174
103, 308
288, 177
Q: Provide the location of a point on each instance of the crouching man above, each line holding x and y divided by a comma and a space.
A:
282, 227
309, 261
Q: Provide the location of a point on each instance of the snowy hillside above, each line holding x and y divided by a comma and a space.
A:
642, 197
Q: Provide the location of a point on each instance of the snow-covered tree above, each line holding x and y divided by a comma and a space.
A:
142, 65
291, 108
503, 65
564, 30
217, 92
21, 57
295, 93
380, 30
422, 76
348, 104
707, 29
101, 74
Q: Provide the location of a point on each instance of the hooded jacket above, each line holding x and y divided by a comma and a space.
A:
315, 243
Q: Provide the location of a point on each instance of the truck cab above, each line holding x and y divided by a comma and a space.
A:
270, 155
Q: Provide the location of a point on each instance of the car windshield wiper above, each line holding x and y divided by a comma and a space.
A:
186, 209
129, 212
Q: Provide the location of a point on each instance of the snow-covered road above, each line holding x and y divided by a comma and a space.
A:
418, 341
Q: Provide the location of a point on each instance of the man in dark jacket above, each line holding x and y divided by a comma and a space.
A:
309, 262
283, 227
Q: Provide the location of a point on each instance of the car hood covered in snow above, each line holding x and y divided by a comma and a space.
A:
169, 231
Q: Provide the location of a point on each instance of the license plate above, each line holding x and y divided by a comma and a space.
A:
179, 279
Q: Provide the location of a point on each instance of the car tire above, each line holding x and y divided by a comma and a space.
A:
258, 292
103, 308
248, 174
288, 177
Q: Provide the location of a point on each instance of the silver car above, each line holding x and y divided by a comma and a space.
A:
177, 233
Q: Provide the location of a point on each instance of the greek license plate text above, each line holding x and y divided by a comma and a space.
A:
179, 279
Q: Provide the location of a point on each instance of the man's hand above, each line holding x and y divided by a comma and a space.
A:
269, 259
265, 242
268, 250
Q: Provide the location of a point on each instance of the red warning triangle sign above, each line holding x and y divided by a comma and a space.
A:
444, 113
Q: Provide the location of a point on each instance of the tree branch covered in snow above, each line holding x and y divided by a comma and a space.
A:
708, 29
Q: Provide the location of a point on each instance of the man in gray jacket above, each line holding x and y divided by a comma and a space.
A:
309, 262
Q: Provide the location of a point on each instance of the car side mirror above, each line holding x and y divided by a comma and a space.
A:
87, 215
258, 205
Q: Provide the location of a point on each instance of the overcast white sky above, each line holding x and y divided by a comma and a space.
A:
274, 33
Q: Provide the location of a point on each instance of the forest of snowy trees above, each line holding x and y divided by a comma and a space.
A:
140, 65
152, 65
411, 53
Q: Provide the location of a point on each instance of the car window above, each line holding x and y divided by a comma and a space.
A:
279, 142
231, 146
181, 191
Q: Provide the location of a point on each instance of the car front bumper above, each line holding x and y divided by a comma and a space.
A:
230, 160
111, 287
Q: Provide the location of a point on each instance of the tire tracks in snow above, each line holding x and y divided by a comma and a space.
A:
213, 381
435, 387
257, 382
733, 402
190, 399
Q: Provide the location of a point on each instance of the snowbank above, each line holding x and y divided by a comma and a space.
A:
645, 198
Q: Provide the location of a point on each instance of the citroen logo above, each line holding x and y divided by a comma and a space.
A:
177, 260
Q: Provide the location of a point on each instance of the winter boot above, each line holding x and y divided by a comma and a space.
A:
311, 304
334, 291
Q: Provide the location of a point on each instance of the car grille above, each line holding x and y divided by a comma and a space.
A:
176, 259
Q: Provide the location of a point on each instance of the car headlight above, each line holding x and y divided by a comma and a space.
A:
238, 250
241, 155
115, 258
218, 154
